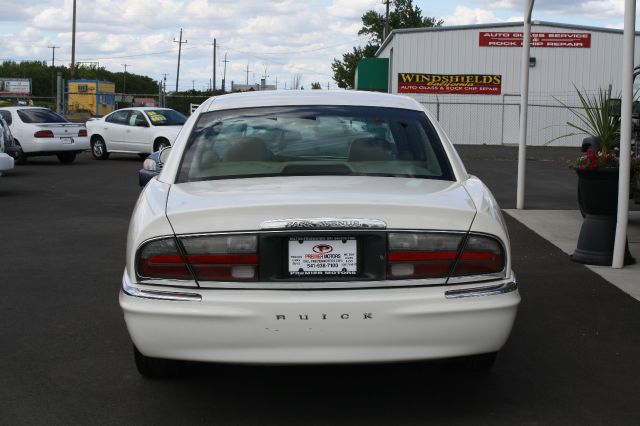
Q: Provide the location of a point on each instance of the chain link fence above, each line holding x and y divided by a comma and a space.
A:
472, 120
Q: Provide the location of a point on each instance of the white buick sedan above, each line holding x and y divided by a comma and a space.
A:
315, 227
134, 131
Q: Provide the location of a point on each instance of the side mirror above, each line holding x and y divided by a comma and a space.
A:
142, 123
164, 155
149, 165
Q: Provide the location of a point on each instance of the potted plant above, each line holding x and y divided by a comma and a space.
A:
597, 170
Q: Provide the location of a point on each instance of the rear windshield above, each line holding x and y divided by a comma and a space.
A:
166, 117
315, 140
40, 116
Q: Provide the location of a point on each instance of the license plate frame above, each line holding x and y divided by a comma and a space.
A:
323, 256
66, 141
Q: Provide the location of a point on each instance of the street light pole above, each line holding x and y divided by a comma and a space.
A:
53, 68
224, 74
626, 131
124, 88
214, 65
524, 104
72, 71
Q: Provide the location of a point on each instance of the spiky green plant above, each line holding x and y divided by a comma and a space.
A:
595, 118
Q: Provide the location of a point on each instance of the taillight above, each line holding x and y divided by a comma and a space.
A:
421, 255
439, 255
82, 133
211, 258
43, 134
162, 259
481, 255
223, 258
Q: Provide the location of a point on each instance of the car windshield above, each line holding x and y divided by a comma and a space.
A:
40, 115
165, 117
313, 140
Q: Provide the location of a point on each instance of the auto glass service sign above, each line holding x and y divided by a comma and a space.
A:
572, 40
462, 84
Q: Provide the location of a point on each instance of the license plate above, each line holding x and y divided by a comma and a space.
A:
66, 140
323, 256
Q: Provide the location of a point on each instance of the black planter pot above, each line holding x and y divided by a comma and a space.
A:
598, 198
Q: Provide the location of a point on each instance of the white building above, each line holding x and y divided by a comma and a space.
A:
469, 76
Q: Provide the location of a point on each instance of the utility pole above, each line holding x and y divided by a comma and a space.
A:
247, 71
124, 86
53, 68
180, 43
214, 64
72, 71
386, 22
193, 85
53, 55
276, 82
327, 85
224, 74
164, 90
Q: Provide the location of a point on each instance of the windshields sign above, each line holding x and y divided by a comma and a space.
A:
461, 84
15, 86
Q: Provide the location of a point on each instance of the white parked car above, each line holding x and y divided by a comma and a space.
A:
6, 161
315, 227
40, 131
134, 131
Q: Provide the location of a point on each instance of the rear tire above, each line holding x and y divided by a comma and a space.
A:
21, 158
160, 144
67, 157
482, 362
143, 156
99, 148
155, 368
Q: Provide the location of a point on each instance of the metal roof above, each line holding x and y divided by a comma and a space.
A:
496, 25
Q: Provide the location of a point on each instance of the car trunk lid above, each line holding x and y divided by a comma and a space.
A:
245, 204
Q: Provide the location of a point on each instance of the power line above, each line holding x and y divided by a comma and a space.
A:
303, 51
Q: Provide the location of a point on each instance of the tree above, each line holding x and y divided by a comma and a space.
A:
404, 15
316, 86
344, 72
42, 77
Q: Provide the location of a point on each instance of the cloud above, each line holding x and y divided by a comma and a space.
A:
352, 9
592, 9
463, 15
287, 36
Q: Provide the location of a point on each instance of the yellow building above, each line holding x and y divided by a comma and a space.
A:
94, 96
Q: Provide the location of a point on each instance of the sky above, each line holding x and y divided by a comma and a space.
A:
277, 39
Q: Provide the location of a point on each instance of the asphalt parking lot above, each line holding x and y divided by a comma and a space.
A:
65, 356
